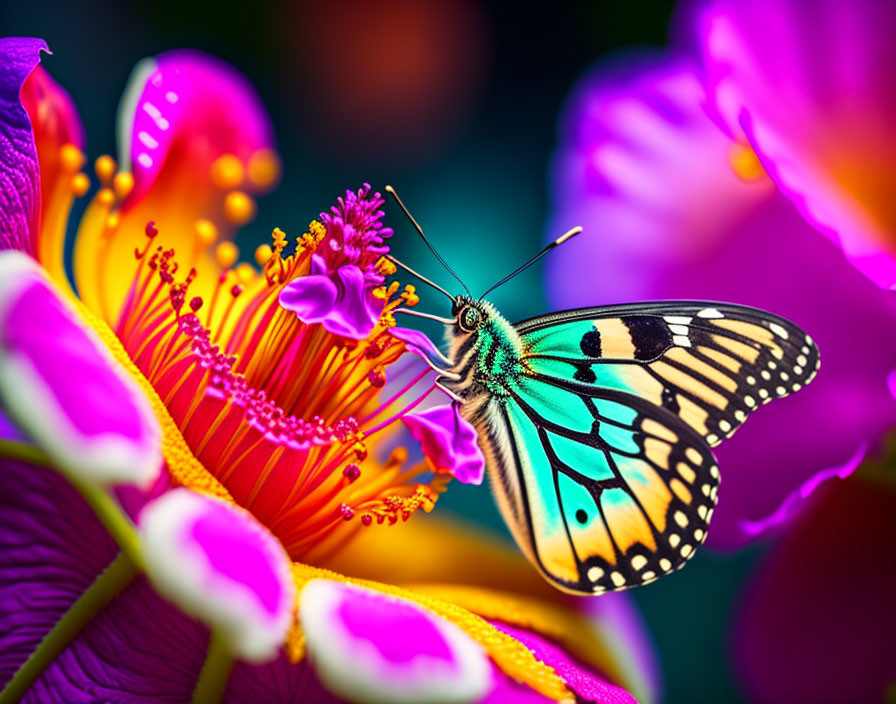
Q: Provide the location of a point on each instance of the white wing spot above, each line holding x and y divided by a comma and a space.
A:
750, 401
686, 550
639, 562
617, 578
699, 534
740, 415
798, 370
680, 519
679, 329
665, 565
781, 391
724, 426
705, 489
681, 340
765, 375
778, 330
648, 575
595, 573
802, 361
712, 438
674, 540
714, 472
678, 319
710, 313
751, 380
702, 511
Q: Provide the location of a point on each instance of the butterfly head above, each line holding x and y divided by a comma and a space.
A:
468, 314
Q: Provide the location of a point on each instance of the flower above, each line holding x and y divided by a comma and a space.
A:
809, 88
677, 209
196, 455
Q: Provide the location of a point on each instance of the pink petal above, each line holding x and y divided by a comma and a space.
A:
449, 442
62, 387
192, 101
588, 685
370, 647
219, 564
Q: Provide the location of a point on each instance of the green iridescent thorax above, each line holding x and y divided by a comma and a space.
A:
487, 358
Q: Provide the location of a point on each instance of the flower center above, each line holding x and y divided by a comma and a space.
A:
292, 419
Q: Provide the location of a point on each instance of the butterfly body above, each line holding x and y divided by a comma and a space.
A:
596, 424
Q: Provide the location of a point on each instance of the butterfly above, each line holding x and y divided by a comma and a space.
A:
597, 423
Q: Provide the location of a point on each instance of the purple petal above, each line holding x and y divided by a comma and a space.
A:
675, 222
19, 177
416, 342
311, 297
448, 441
796, 500
368, 646
218, 563
810, 85
185, 97
589, 686
62, 387
354, 314
52, 547
342, 305
817, 621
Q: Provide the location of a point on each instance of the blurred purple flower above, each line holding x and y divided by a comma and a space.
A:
810, 87
673, 208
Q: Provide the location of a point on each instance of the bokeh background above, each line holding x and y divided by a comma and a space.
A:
455, 103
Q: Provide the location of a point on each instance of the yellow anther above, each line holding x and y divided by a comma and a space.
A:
410, 296
245, 272
205, 232
70, 157
386, 267
379, 292
745, 162
279, 237
264, 168
263, 254
105, 196
105, 169
239, 208
227, 172
80, 184
226, 254
113, 221
123, 184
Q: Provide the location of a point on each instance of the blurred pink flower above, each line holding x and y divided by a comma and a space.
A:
809, 85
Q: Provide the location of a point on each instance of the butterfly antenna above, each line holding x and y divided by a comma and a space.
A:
432, 249
419, 276
556, 243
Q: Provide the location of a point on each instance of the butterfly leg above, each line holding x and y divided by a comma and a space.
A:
454, 397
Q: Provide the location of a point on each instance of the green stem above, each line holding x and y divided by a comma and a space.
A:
110, 582
215, 672
113, 517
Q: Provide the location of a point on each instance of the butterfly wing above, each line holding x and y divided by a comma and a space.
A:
710, 364
605, 490
601, 443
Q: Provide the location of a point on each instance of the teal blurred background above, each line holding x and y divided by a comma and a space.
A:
453, 103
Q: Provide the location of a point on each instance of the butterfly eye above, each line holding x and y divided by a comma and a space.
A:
469, 319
